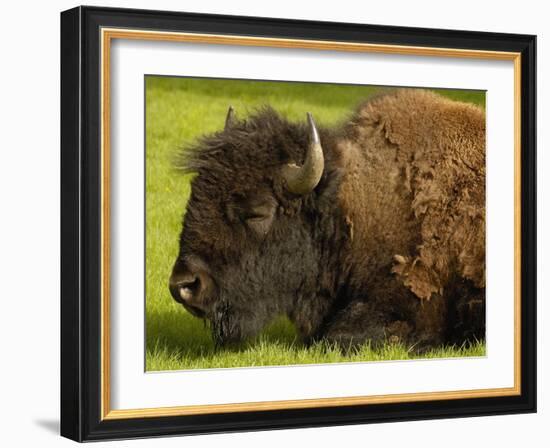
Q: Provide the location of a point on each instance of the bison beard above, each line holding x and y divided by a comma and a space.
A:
371, 231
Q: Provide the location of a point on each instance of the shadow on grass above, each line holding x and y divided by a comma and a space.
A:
176, 341
176, 332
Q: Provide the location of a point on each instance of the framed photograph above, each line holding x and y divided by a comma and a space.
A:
276, 224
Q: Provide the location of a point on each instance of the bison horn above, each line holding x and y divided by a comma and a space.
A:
230, 118
303, 179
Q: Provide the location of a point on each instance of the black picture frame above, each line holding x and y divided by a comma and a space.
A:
81, 210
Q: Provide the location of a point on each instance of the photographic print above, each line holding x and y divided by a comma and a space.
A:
272, 224
306, 223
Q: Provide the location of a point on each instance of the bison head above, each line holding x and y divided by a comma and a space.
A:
247, 247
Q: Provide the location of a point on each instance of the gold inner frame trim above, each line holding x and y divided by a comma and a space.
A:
107, 35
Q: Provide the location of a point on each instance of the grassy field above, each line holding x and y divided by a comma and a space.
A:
178, 110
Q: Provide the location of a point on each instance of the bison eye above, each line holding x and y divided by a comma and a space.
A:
255, 210
260, 224
259, 217
257, 214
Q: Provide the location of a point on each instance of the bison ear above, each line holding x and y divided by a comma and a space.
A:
230, 118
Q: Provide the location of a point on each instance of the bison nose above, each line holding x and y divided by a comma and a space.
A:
186, 289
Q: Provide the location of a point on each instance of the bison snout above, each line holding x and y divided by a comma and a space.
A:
188, 288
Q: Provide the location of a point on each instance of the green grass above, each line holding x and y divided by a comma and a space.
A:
178, 110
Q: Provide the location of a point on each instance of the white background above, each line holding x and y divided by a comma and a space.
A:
132, 388
29, 234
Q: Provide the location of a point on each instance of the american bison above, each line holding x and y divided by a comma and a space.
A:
366, 232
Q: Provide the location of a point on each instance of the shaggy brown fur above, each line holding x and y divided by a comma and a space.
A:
390, 244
